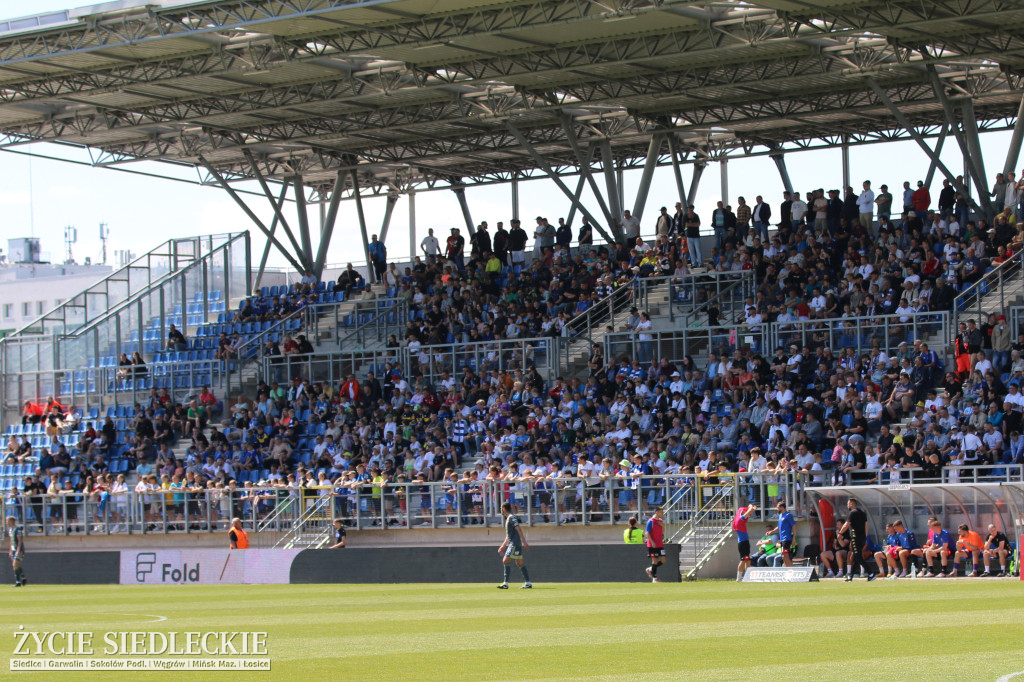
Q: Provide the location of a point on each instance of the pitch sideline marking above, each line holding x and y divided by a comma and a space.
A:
1007, 678
159, 619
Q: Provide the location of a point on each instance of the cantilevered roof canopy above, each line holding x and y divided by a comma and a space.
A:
446, 91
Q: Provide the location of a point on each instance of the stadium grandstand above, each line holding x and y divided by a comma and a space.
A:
863, 341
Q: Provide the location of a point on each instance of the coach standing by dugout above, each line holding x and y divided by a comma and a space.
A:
857, 524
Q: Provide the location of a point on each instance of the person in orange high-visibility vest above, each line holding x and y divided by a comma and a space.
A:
237, 535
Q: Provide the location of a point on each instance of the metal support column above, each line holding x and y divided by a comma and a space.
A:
962, 138
412, 225
620, 182
674, 152
943, 134
780, 162
902, 120
575, 200
698, 172
327, 226
252, 216
515, 197
266, 249
846, 165
460, 194
1013, 151
544, 166
974, 146
300, 207
278, 215
584, 166
608, 161
388, 210
362, 225
653, 150
723, 167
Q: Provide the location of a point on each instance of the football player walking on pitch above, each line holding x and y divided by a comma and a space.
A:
654, 534
17, 536
513, 547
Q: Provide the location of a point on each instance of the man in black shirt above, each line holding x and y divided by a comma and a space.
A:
338, 534
857, 524
996, 545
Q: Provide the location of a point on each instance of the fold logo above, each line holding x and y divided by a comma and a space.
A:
144, 563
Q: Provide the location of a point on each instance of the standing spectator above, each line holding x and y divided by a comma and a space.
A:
378, 258
516, 243
786, 212
563, 235
501, 244
691, 223
454, 250
742, 218
1001, 345
544, 237
430, 246
630, 227
883, 202
480, 242
718, 222
586, 235
663, 227
866, 207
761, 214
921, 199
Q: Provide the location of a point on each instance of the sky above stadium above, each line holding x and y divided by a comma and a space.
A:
40, 197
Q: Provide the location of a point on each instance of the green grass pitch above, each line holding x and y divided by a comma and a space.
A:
709, 630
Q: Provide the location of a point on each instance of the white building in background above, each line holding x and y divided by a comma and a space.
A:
29, 288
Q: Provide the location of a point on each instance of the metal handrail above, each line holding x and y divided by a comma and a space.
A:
1010, 269
399, 306
122, 274
171, 276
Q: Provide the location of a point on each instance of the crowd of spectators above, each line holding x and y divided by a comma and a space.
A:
841, 417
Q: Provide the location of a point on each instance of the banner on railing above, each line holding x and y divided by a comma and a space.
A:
207, 566
792, 574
